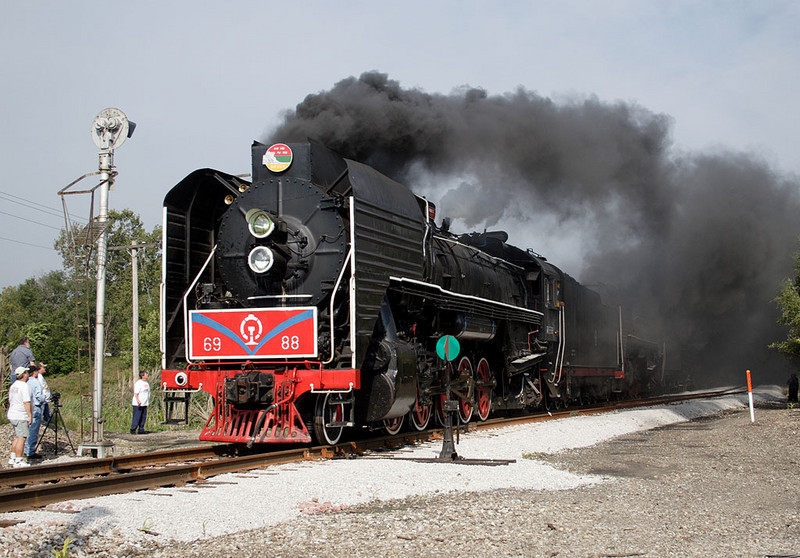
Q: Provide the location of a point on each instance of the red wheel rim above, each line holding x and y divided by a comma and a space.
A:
393, 426
325, 414
464, 408
439, 402
420, 415
483, 395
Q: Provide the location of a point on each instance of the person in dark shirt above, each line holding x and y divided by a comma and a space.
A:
21, 356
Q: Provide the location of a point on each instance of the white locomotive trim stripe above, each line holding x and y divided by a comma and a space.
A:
162, 291
353, 291
345, 267
466, 297
185, 306
280, 296
479, 251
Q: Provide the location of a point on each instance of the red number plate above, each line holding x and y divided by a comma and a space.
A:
253, 333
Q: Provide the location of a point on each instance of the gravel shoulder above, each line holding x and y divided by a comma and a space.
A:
705, 482
714, 486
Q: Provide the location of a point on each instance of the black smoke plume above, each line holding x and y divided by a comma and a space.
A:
701, 241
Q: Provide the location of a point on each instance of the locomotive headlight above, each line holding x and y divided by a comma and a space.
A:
260, 223
260, 259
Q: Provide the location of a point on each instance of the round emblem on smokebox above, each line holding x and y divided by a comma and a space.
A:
278, 157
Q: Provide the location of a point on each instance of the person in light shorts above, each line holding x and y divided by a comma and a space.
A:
21, 428
20, 415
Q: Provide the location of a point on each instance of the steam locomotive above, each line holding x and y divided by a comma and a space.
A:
311, 299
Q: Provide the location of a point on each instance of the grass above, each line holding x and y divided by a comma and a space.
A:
535, 455
65, 550
117, 394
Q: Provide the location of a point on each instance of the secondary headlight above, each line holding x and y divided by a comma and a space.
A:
260, 259
260, 223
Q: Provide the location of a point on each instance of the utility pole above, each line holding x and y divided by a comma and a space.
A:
135, 311
134, 252
109, 130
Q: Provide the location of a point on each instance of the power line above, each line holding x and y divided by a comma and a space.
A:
27, 243
21, 198
43, 209
53, 212
30, 220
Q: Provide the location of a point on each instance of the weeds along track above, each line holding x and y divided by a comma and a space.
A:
33, 487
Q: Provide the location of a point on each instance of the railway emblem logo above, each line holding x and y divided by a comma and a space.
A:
248, 329
278, 157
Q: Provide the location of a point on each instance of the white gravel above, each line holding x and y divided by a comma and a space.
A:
280, 493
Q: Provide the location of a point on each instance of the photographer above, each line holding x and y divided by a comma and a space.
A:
46, 391
37, 407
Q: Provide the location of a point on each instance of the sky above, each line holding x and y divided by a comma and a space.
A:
202, 80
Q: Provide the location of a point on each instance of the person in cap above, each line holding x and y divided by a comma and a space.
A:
20, 415
37, 407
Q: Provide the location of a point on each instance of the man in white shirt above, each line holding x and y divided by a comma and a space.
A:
20, 415
141, 399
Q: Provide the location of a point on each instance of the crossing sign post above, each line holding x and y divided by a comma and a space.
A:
447, 349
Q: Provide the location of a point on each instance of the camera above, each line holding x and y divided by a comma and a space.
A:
54, 397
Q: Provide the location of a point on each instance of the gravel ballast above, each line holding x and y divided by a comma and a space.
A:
661, 481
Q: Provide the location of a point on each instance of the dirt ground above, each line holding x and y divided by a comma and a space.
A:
711, 487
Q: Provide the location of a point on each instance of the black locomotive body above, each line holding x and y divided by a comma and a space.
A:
311, 300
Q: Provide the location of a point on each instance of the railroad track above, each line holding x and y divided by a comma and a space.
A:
34, 487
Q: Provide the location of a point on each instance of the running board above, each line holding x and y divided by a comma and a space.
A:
528, 358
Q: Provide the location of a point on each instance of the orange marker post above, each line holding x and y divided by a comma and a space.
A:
750, 397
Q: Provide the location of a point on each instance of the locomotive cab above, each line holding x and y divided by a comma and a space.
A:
550, 301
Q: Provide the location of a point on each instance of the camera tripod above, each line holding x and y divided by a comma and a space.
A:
52, 423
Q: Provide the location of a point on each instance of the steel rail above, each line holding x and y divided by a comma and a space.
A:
126, 480
116, 475
607, 407
42, 495
109, 465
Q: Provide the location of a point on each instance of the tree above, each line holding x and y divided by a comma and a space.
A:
43, 310
149, 351
126, 229
788, 301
